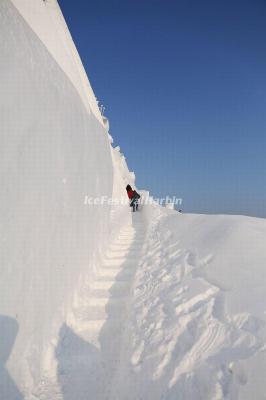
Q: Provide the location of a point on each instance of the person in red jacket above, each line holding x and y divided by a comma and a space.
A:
133, 197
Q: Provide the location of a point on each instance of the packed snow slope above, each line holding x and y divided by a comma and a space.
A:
196, 326
55, 150
175, 311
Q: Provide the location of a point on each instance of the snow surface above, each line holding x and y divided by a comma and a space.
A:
46, 20
196, 327
53, 153
96, 302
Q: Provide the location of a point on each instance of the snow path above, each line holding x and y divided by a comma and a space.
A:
153, 326
177, 309
88, 352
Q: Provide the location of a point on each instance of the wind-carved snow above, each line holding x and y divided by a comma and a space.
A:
46, 20
152, 325
182, 342
54, 152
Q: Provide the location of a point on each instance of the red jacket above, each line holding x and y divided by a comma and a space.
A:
130, 194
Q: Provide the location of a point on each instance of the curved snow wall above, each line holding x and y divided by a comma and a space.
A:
53, 153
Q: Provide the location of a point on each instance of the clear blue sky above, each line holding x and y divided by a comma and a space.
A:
184, 86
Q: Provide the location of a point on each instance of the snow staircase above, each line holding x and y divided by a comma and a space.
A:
102, 319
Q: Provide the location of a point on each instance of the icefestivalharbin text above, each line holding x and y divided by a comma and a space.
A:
92, 201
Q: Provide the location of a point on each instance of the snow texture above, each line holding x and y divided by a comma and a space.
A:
53, 153
96, 302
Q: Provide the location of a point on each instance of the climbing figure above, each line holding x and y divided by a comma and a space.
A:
133, 197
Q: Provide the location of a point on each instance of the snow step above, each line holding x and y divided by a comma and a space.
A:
96, 325
107, 301
90, 325
112, 293
101, 309
127, 250
102, 285
126, 236
130, 256
116, 254
119, 262
96, 312
129, 238
128, 246
93, 330
111, 288
126, 278
116, 273
124, 242
118, 246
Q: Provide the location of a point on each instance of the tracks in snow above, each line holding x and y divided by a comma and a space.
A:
100, 321
176, 342
184, 341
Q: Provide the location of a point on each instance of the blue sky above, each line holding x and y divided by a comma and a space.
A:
184, 86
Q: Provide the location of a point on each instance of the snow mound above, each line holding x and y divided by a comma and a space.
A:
197, 325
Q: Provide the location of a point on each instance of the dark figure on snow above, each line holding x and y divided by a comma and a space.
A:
133, 197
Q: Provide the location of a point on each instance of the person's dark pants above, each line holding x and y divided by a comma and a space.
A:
134, 204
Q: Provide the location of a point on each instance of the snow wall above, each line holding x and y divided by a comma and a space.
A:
55, 151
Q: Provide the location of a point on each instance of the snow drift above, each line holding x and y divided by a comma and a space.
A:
196, 327
55, 150
95, 304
